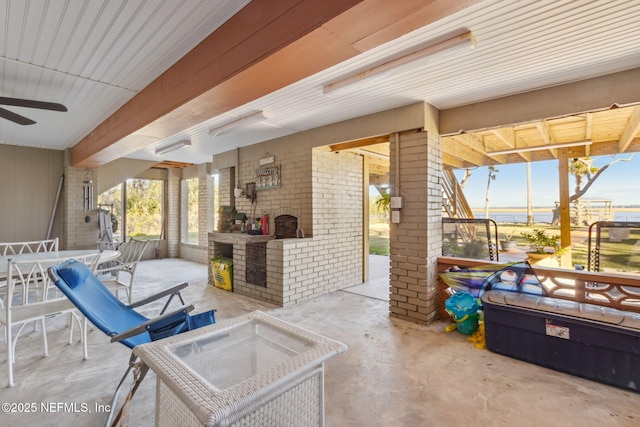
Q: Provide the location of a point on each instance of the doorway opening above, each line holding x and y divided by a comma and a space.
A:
376, 215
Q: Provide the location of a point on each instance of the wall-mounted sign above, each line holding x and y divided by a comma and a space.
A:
267, 160
268, 177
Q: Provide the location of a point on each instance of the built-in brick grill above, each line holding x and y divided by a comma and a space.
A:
256, 270
286, 226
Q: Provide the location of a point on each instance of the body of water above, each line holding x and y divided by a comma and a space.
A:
544, 217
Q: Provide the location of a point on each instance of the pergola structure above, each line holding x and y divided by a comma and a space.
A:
595, 133
602, 132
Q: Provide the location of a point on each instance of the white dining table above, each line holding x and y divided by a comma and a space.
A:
19, 313
56, 257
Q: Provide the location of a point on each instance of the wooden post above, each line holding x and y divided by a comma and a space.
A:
565, 214
365, 219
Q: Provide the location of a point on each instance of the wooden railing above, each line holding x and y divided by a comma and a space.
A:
618, 291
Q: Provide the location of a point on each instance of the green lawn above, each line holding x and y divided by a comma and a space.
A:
623, 256
379, 239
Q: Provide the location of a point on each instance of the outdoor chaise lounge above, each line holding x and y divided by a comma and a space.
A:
121, 322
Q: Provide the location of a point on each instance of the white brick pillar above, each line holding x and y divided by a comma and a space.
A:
173, 213
415, 242
81, 229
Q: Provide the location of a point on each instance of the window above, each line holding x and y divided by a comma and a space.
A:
145, 198
142, 217
190, 211
111, 200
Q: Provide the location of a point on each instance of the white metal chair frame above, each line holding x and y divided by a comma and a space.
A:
32, 297
29, 247
34, 246
26, 247
119, 277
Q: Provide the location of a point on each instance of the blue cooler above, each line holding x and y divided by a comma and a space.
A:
591, 341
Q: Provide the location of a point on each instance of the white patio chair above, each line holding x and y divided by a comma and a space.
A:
26, 247
120, 276
24, 304
34, 246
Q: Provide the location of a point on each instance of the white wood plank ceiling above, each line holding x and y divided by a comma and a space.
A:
93, 56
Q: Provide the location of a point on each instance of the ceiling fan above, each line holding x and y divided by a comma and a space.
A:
17, 102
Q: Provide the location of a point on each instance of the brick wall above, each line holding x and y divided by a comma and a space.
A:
198, 252
78, 233
434, 224
294, 195
329, 204
225, 185
415, 241
173, 213
332, 259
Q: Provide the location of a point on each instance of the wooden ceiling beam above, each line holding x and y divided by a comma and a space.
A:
359, 143
630, 131
452, 161
373, 155
508, 136
545, 132
547, 137
378, 179
464, 152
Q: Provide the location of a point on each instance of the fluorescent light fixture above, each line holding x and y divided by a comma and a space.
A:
172, 147
252, 118
539, 148
449, 46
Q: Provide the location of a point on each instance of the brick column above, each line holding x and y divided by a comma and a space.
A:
415, 241
173, 213
78, 233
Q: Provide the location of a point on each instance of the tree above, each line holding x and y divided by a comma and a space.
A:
582, 169
383, 201
492, 171
144, 207
529, 207
465, 178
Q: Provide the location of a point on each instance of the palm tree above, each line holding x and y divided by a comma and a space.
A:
383, 201
492, 176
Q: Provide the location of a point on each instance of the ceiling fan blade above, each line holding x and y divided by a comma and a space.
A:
16, 118
17, 102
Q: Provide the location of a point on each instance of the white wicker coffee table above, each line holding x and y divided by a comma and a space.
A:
247, 371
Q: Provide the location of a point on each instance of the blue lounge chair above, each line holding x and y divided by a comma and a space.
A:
121, 322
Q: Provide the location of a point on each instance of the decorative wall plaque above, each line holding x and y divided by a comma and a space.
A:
267, 160
268, 177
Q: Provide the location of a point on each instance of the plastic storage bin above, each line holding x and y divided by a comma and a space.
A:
222, 272
586, 340
250, 370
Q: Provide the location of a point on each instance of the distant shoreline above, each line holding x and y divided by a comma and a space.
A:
547, 209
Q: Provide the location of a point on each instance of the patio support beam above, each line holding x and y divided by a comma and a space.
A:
599, 93
266, 46
565, 212
630, 131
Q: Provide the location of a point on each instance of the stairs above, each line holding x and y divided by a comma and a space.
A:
454, 204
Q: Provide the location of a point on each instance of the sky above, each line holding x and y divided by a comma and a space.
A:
619, 183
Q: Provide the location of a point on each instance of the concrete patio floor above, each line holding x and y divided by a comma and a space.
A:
395, 373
